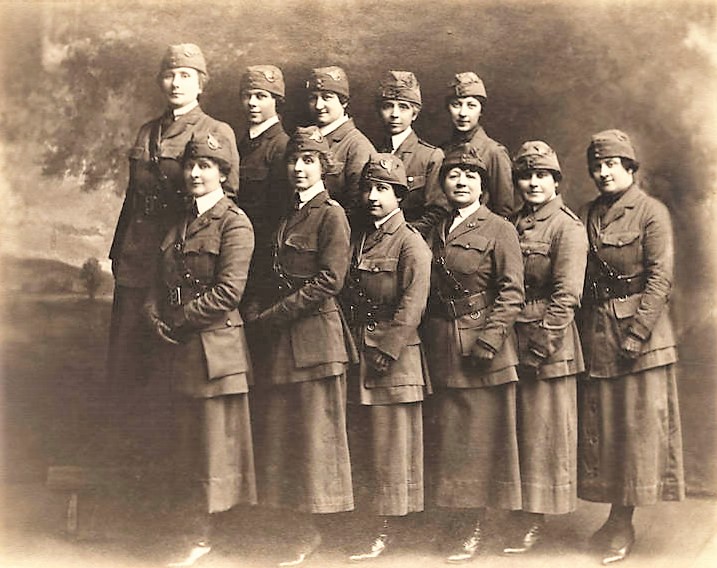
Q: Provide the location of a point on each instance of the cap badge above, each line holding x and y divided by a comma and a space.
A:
212, 142
335, 74
386, 165
269, 75
316, 136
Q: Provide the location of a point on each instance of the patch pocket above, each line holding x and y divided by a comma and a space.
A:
416, 182
622, 249
465, 253
378, 274
470, 327
624, 310
200, 257
224, 352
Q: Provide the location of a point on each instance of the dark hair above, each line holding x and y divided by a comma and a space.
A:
445, 168
328, 163
627, 163
399, 190
449, 98
557, 176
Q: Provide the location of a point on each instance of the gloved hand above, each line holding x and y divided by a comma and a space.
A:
482, 352
631, 347
533, 359
163, 331
376, 359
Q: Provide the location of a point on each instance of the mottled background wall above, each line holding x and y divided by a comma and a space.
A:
78, 81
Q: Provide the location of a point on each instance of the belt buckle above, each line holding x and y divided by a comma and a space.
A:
475, 314
175, 296
371, 326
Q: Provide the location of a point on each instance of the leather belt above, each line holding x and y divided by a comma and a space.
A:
454, 308
609, 288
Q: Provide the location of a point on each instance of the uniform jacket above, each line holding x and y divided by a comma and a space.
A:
503, 199
483, 254
393, 268
216, 252
313, 248
351, 150
425, 204
151, 206
634, 237
555, 247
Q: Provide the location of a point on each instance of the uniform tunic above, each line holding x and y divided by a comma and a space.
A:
391, 266
629, 440
209, 370
304, 459
425, 204
472, 443
351, 150
554, 246
503, 199
153, 203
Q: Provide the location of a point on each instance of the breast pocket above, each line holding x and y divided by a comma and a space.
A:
416, 182
536, 260
623, 251
200, 257
334, 180
467, 253
378, 276
300, 255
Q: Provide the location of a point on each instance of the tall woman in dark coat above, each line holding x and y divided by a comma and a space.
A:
476, 295
630, 442
303, 464
386, 295
555, 248
192, 308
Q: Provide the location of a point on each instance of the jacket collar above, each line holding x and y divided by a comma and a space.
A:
473, 221
298, 216
183, 122
626, 201
340, 132
216, 212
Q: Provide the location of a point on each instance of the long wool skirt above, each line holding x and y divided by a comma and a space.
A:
630, 439
390, 440
548, 443
472, 448
214, 457
303, 461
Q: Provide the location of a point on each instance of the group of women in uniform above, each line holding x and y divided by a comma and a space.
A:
366, 296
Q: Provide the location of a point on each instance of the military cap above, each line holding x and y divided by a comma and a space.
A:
385, 168
212, 145
400, 85
467, 84
463, 155
329, 79
536, 155
183, 55
307, 139
266, 77
611, 143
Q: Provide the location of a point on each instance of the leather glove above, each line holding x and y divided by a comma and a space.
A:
377, 360
482, 352
163, 331
631, 347
533, 359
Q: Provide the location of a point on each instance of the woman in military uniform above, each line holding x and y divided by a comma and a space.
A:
193, 309
554, 247
465, 101
303, 464
399, 102
155, 199
386, 295
476, 295
629, 439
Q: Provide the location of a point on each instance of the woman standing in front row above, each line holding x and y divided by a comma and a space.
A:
193, 309
555, 248
303, 464
476, 294
386, 295
629, 439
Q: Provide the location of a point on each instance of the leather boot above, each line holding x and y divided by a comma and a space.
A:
620, 545
306, 548
531, 537
470, 547
378, 545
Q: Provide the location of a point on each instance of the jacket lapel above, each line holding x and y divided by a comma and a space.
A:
626, 201
469, 224
182, 123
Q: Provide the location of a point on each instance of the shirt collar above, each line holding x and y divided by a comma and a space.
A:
329, 128
309, 193
209, 200
181, 111
400, 138
467, 211
256, 130
382, 220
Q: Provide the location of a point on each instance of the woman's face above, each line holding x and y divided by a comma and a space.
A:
397, 115
259, 105
537, 186
462, 187
180, 85
202, 176
610, 176
326, 107
465, 113
304, 169
379, 198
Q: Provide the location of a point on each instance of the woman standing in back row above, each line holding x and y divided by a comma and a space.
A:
629, 440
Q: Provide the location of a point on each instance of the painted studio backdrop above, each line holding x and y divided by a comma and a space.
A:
79, 80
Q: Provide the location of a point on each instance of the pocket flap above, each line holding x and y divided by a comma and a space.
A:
626, 307
472, 241
379, 265
253, 173
415, 182
301, 242
208, 245
535, 247
620, 239
224, 351
136, 153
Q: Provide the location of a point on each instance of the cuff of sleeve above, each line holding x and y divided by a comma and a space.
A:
640, 331
486, 345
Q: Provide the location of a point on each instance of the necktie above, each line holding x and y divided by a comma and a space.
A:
449, 221
194, 211
297, 202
